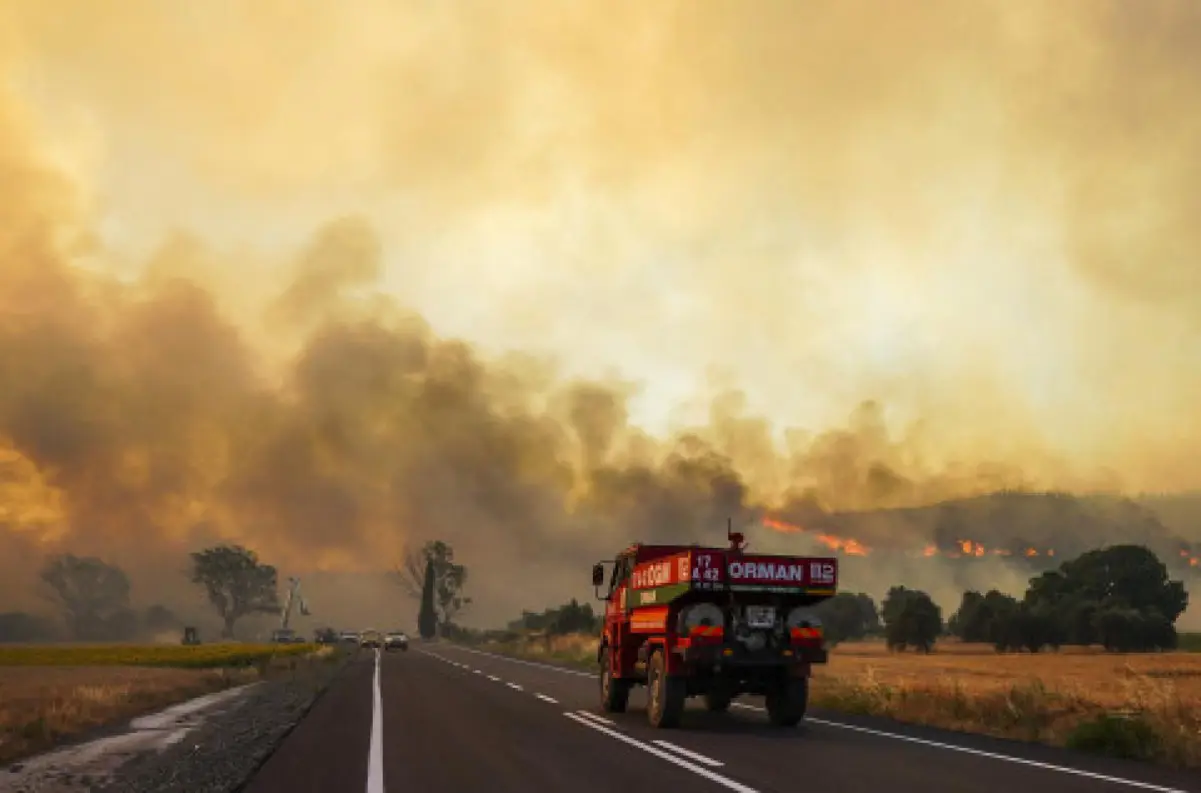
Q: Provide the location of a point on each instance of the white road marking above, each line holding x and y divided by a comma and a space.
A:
545, 698
375, 758
950, 747
700, 758
494, 678
514, 686
527, 663
671, 758
594, 717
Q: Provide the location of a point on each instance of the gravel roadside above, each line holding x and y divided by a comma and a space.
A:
221, 755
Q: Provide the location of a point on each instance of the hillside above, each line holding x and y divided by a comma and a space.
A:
1040, 527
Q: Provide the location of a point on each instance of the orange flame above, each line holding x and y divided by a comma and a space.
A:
847, 545
961, 548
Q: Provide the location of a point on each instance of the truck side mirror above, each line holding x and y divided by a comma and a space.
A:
598, 575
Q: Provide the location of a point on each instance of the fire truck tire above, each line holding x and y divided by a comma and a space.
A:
716, 702
786, 705
665, 694
615, 694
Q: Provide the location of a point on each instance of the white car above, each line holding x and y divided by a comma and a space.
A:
396, 640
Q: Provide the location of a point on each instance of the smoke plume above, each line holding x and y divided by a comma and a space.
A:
541, 279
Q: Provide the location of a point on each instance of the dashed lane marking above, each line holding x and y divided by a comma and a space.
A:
596, 722
561, 669
663, 755
700, 758
594, 717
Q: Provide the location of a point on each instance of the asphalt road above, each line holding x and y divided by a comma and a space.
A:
445, 719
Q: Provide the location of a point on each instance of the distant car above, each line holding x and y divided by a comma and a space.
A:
371, 639
348, 637
396, 640
283, 636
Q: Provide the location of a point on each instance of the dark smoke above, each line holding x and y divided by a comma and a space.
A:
152, 404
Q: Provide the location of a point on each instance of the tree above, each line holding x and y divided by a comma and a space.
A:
1020, 626
449, 578
965, 623
92, 594
980, 618
848, 616
1126, 630
427, 617
236, 582
1118, 596
911, 618
572, 617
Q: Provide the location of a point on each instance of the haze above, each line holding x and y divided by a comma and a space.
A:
332, 280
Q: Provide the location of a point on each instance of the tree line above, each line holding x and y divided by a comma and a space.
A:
92, 597
1118, 597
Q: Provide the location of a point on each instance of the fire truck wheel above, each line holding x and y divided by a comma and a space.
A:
615, 694
664, 694
786, 705
717, 702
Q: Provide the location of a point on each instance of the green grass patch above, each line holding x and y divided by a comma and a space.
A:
1126, 736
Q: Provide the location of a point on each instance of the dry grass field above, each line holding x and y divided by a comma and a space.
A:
1137, 705
51, 694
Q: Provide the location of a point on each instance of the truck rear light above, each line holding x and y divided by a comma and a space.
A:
806, 635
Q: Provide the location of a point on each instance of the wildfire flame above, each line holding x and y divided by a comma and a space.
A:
847, 545
962, 548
